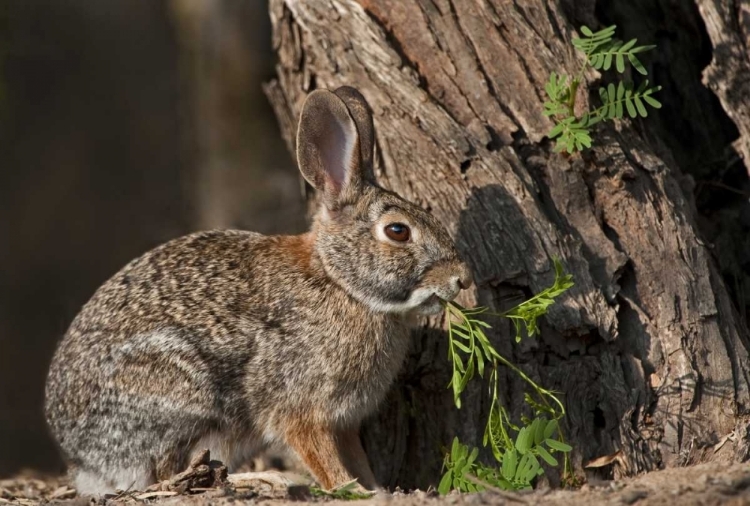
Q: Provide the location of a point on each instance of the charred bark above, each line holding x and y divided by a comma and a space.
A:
648, 347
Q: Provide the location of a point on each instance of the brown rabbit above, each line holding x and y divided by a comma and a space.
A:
231, 340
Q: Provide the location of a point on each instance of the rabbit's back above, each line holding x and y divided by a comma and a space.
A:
219, 332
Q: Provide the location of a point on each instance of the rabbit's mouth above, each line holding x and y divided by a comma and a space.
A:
432, 305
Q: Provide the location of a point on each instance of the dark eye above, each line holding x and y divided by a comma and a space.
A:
397, 232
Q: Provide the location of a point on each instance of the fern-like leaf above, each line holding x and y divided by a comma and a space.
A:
616, 50
591, 41
620, 97
528, 312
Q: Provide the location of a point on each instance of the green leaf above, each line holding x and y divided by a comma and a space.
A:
456, 381
612, 94
639, 105
558, 110
556, 130
467, 377
472, 456
464, 452
455, 449
551, 86
652, 101
523, 440
526, 465
603, 95
510, 461
591, 42
585, 139
605, 103
534, 467
629, 104
458, 363
539, 425
620, 63
558, 445
620, 94
625, 47
637, 65
548, 458
570, 141
522, 467
481, 324
550, 429
461, 346
460, 331
480, 362
445, 483
459, 466
601, 51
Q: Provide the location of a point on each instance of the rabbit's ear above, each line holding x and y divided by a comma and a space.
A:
362, 115
328, 148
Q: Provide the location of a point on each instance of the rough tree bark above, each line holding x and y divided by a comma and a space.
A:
728, 26
647, 348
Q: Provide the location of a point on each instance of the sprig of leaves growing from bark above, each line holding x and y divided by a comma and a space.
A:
471, 353
573, 133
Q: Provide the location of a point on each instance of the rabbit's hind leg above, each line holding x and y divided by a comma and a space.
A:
319, 447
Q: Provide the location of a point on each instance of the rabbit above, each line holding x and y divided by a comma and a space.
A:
230, 340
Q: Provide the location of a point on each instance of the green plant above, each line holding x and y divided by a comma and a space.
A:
602, 50
471, 353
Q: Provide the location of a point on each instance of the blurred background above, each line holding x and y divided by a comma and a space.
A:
122, 124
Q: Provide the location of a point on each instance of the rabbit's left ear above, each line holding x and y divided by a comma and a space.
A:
361, 113
329, 152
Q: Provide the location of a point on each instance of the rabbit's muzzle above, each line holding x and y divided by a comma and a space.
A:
450, 279
443, 282
465, 279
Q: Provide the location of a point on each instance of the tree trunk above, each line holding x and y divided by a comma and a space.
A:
648, 348
728, 25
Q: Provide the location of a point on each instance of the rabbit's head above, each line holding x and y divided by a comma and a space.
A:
386, 252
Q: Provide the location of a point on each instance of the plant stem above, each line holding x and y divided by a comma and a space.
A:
572, 99
543, 393
574, 88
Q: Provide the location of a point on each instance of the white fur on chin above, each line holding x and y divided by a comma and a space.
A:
422, 301
429, 309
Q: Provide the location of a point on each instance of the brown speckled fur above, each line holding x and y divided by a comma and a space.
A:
231, 340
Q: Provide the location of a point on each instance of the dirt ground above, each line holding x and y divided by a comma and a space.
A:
705, 484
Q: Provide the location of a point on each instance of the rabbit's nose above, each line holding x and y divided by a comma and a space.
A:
464, 277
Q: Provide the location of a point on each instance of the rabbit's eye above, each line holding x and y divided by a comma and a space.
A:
397, 232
